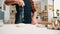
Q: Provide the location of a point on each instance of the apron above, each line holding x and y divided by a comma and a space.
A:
23, 14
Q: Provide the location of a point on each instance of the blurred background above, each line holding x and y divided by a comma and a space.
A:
47, 11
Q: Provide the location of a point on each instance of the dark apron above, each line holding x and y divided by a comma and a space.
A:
23, 14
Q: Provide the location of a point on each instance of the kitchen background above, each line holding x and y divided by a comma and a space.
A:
46, 9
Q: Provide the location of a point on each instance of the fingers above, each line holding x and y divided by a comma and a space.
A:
21, 3
34, 22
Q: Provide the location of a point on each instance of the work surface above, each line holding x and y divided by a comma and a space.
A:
25, 29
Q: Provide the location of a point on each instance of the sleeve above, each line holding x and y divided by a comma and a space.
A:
9, 2
32, 5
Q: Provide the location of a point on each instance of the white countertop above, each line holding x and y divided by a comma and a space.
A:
25, 29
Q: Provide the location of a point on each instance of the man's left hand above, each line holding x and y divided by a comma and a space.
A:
34, 21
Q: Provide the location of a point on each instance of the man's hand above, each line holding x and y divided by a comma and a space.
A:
34, 21
21, 3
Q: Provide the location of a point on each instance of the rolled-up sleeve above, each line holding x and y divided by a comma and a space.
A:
32, 5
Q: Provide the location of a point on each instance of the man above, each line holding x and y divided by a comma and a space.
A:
28, 8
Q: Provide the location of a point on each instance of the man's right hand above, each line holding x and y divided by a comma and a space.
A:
20, 3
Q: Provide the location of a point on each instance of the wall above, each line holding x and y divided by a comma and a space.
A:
43, 3
1, 4
56, 5
50, 12
6, 12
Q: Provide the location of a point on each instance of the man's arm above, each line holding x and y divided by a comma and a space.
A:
19, 2
34, 21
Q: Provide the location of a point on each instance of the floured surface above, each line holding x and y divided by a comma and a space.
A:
25, 29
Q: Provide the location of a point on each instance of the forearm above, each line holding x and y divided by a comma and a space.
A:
34, 21
34, 14
17, 1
